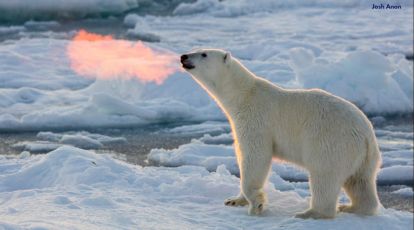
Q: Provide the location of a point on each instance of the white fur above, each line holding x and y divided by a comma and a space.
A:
325, 134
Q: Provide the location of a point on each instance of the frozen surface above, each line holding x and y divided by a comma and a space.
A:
74, 188
61, 137
205, 127
224, 138
196, 153
48, 141
353, 78
294, 44
393, 173
407, 192
36, 146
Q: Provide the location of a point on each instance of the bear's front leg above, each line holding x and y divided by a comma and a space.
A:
256, 157
239, 200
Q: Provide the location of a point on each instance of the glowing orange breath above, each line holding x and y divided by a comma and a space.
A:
103, 57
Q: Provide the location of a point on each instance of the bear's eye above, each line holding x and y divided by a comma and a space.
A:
204, 55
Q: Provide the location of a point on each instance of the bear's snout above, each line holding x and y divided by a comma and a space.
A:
187, 64
184, 57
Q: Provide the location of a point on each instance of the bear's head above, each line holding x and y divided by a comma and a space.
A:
208, 66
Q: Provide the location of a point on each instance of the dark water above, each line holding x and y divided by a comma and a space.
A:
395, 201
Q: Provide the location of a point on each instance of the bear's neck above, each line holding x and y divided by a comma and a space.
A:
233, 93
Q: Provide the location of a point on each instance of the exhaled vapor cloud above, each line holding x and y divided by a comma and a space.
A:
103, 57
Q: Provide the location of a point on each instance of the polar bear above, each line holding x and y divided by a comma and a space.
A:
327, 135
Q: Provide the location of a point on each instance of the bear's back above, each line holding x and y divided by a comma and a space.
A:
310, 105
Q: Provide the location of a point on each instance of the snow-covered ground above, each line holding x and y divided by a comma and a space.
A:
71, 188
344, 47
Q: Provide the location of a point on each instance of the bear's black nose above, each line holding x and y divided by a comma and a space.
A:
184, 57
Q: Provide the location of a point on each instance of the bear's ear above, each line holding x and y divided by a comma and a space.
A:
227, 57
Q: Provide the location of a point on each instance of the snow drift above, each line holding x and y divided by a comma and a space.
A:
366, 78
73, 188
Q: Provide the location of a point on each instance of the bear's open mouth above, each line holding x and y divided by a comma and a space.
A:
188, 66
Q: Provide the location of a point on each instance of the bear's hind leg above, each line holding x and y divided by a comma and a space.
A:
325, 190
363, 195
